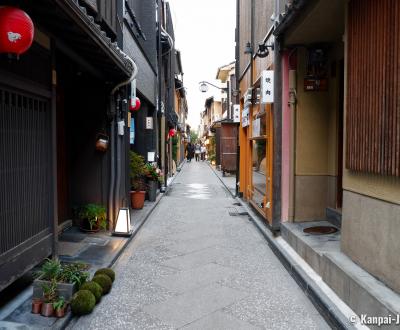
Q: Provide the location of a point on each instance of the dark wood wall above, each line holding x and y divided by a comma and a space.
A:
373, 102
107, 11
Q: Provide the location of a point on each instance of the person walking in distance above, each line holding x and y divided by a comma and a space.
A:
203, 151
189, 152
197, 151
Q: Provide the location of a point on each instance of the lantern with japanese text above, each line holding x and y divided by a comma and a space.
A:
134, 104
16, 31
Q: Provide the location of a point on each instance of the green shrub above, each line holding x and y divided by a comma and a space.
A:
94, 288
95, 215
108, 271
83, 302
104, 281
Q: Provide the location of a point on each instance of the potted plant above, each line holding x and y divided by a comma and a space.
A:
154, 176
60, 306
93, 217
49, 297
68, 277
137, 171
36, 305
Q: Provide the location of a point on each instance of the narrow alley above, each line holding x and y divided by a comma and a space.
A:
195, 266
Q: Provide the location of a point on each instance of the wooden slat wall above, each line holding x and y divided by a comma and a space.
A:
244, 33
373, 96
108, 11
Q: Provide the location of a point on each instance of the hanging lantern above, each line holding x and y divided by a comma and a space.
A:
16, 31
172, 132
134, 104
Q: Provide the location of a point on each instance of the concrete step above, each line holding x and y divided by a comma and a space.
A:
334, 216
362, 292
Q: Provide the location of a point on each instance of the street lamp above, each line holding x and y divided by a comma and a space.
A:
204, 88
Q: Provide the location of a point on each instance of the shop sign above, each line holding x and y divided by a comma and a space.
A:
267, 87
256, 127
149, 122
236, 113
245, 117
132, 131
315, 85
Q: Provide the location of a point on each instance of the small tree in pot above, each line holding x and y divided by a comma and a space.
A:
93, 217
137, 171
154, 177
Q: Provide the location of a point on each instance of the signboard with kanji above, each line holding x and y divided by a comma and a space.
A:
267, 87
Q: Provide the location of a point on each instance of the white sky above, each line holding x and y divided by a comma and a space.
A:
205, 35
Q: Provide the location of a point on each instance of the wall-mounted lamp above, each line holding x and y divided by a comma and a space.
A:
203, 86
263, 50
123, 226
248, 49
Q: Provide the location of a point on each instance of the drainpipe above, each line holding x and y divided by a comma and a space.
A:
115, 184
277, 131
292, 168
237, 87
159, 102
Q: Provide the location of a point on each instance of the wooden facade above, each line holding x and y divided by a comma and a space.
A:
53, 102
256, 150
106, 11
373, 104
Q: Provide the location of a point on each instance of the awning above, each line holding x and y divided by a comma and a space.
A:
74, 28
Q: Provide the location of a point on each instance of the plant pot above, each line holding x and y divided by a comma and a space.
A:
47, 309
66, 290
85, 226
60, 312
153, 190
137, 199
36, 306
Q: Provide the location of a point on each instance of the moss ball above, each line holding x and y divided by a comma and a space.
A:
108, 271
104, 281
94, 288
83, 302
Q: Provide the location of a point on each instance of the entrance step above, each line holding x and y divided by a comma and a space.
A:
362, 292
334, 216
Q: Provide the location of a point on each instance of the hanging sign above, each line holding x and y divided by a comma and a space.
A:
267, 87
149, 122
246, 108
132, 132
245, 117
236, 113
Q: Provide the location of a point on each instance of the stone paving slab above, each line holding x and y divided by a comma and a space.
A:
194, 278
219, 321
193, 305
198, 258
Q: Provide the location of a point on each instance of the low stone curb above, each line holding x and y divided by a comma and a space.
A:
326, 307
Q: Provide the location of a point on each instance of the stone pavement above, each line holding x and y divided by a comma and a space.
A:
194, 266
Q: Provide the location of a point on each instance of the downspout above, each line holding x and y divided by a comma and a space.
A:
115, 186
277, 131
237, 97
293, 128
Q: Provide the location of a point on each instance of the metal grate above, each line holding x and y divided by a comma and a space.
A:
25, 167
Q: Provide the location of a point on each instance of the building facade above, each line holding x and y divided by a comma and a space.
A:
259, 132
68, 91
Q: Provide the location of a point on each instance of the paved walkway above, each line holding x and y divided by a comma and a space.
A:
194, 266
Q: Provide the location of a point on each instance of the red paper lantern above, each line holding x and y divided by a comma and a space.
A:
172, 132
16, 31
134, 105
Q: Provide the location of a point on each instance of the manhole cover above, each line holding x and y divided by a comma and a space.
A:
320, 230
